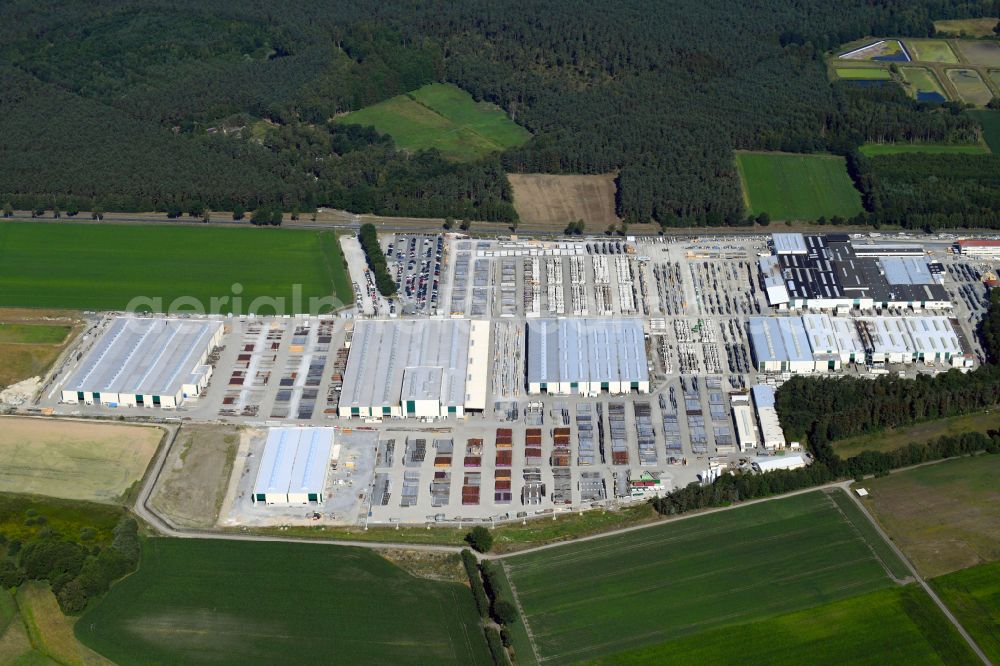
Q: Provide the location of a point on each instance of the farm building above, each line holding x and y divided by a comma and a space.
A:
772, 436
832, 273
294, 466
586, 356
145, 362
771, 464
416, 368
979, 248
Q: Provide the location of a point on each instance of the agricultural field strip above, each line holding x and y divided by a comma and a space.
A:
535, 576
68, 265
973, 595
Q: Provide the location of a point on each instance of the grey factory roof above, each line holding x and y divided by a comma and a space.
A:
906, 270
831, 269
763, 395
144, 356
779, 339
295, 460
586, 350
788, 243
415, 359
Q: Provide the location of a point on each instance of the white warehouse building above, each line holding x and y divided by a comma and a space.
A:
145, 362
767, 417
587, 356
821, 342
295, 466
424, 368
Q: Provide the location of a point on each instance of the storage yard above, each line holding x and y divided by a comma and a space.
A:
516, 378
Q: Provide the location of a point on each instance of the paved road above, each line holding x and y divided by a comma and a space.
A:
345, 221
927, 588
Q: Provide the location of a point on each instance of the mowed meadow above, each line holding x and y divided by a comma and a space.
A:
106, 266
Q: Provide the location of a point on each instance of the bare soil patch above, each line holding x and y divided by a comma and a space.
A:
195, 475
551, 200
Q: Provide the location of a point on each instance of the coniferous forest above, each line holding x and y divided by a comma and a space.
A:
156, 105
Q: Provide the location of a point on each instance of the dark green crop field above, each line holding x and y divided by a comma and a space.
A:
898, 626
654, 585
201, 601
990, 120
175, 268
973, 595
797, 187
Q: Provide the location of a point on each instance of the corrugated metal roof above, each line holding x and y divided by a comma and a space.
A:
383, 350
906, 270
144, 356
763, 396
779, 339
789, 243
586, 350
294, 460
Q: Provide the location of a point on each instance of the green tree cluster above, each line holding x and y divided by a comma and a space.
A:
368, 237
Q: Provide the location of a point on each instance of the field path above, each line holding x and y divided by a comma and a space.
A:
850, 523
927, 588
520, 610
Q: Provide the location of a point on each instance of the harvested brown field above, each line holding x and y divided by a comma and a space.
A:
195, 475
943, 516
76, 460
555, 201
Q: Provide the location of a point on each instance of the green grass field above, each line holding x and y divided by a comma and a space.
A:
920, 433
593, 599
943, 516
873, 149
797, 187
990, 120
931, 50
864, 73
974, 27
910, 629
32, 334
970, 86
921, 80
973, 595
104, 267
199, 601
444, 117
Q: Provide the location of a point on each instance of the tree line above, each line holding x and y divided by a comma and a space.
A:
384, 282
132, 106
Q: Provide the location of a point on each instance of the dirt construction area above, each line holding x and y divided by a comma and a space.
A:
943, 516
74, 460
195, 474
549, 200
